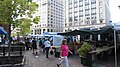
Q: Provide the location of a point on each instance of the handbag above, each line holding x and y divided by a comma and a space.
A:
51, 52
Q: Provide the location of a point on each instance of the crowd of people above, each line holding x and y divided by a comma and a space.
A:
43, 45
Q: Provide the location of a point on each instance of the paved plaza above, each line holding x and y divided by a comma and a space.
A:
40, 60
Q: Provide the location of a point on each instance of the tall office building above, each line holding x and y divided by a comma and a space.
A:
86, 14
51, 17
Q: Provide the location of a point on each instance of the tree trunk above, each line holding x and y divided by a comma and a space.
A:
9, 44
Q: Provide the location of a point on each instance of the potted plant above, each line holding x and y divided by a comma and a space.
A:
83, 50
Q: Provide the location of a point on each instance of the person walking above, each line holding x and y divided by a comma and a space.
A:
27, 43
47, 46
43, 46
34, 46
64, 53
40, 44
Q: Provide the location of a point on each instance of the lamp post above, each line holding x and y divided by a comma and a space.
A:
115, 43
115, 46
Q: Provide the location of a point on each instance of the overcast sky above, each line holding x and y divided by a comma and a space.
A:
114, 10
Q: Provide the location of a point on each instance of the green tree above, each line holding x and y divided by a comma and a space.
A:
17, 13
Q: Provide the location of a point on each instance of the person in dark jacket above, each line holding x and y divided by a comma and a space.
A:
34, 46
27, 44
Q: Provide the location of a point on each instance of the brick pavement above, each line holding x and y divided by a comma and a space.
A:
41, 61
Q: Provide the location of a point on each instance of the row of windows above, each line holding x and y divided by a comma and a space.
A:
57, 3
59, 17
81, 23
81, 6
59, 6
38, 31
49, 25
81, 2
48, 30
56, 9
81, 18
81, 12
55, 15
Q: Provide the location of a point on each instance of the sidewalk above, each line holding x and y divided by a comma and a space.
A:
41, 61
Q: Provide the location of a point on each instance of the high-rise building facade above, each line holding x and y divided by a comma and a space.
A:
51, 17
86, 14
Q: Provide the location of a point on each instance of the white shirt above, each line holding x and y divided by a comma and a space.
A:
0, 39
47, 43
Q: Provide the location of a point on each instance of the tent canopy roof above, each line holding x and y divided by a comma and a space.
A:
107, 29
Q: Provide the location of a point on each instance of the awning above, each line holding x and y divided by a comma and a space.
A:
2, 31
107, 29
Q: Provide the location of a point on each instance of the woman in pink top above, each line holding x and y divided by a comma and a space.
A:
64, 54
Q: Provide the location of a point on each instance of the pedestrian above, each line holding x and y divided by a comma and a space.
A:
30, 46
64, 53
27, 43
43, 46
47, 46
40, 44
6, 41
0, 40
34, 46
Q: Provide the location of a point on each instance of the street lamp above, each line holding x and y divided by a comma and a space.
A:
115, 44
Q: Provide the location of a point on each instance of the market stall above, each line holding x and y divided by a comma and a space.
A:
104, 37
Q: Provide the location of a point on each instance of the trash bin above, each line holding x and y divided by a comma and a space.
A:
57, 52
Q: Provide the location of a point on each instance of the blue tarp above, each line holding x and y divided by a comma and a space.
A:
2, 31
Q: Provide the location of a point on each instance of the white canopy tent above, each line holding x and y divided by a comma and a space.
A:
57, 39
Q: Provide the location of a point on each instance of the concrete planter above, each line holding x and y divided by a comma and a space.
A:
13, 61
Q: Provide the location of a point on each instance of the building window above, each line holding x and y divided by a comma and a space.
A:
48, 30
75, 5
70, 15
93, 13
93, 2
87, 14
51, 30
81, 8
80, 0
81, 16
70, 19
75, 18
51, 18
75, 9
101, 21
75, 14
75, 1
43, 30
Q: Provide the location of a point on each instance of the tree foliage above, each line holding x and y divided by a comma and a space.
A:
18, 14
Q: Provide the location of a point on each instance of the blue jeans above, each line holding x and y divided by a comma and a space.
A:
65, 60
